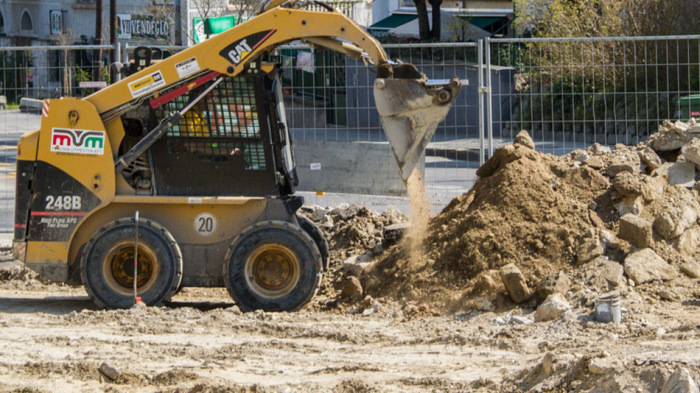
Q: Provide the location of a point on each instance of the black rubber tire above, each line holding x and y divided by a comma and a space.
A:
154, 239
287, 236
315, 232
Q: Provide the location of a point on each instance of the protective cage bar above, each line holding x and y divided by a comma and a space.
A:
223, 124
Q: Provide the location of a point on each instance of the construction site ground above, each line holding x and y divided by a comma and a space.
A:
54, 340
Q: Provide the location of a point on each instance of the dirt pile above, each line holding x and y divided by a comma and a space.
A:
352, 229
14, 274
355, 236
606, 218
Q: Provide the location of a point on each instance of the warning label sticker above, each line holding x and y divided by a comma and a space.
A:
187, 67
146, 84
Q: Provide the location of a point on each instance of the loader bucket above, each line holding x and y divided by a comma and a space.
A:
411, 109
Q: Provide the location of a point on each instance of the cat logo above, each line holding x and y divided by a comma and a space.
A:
241, 49
239, 52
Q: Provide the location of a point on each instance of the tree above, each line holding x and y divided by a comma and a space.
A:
437, 22
423, 24
245, 8
426, 34
606, 18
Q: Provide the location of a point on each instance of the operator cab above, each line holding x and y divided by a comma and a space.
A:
233, 142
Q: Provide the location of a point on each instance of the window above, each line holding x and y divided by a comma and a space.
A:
54, 66
26, 22
222, 125
2, 24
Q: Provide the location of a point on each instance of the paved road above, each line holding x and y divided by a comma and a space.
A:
13, 124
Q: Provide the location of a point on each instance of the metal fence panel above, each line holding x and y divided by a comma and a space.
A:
329, 97
37, 73
571, 93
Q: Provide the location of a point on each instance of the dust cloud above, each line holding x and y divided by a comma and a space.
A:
420, 217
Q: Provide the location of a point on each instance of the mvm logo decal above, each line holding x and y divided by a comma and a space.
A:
241, 49
65, 140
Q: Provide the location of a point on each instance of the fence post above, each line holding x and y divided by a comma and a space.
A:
480, 91
117, 58
489, 102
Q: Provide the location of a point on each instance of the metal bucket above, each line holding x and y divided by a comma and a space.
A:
411, 107
607, 308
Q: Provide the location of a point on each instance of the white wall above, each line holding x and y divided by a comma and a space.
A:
382, 9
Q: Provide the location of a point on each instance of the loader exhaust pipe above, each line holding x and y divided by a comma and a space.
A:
411, 108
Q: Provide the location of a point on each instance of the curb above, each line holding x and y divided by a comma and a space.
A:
453, 154
30, 105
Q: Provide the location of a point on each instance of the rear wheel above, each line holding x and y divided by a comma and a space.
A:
273, 266
107, 266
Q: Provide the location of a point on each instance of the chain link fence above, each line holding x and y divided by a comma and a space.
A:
568, 93
573, 92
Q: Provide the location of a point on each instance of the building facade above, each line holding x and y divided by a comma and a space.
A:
45, 23
461, 20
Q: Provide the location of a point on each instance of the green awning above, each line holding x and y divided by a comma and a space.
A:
393, 21
220, 24
212, 26
483, 22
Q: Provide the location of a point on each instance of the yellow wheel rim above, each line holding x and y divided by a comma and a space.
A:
272, 271
118, 268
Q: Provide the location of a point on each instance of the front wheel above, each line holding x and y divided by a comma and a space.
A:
273, 266
107, 266
315, 232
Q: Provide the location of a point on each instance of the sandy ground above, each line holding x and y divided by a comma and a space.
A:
52, 339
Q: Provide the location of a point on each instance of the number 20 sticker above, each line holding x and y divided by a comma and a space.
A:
205, 224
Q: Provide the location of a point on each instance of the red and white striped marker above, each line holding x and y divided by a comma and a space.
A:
45, 109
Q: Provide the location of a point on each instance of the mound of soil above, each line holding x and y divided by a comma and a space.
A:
545, 215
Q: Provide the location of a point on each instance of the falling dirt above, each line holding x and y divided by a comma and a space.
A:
419, 218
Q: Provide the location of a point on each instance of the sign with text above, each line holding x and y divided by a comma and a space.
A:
142, 26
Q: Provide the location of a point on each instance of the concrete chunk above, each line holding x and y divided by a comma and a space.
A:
635, 230
515, 283
674, 221
689, 241
649, 157
589, 249
682, 173
691, 269
554, 283
524, 139
554, 306
626, 184
644, 265
680, 382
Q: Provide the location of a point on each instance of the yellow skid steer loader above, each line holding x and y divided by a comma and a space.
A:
197, 144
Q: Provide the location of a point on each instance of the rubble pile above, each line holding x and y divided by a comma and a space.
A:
541, 229
352, 230
356, 236
14, 274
